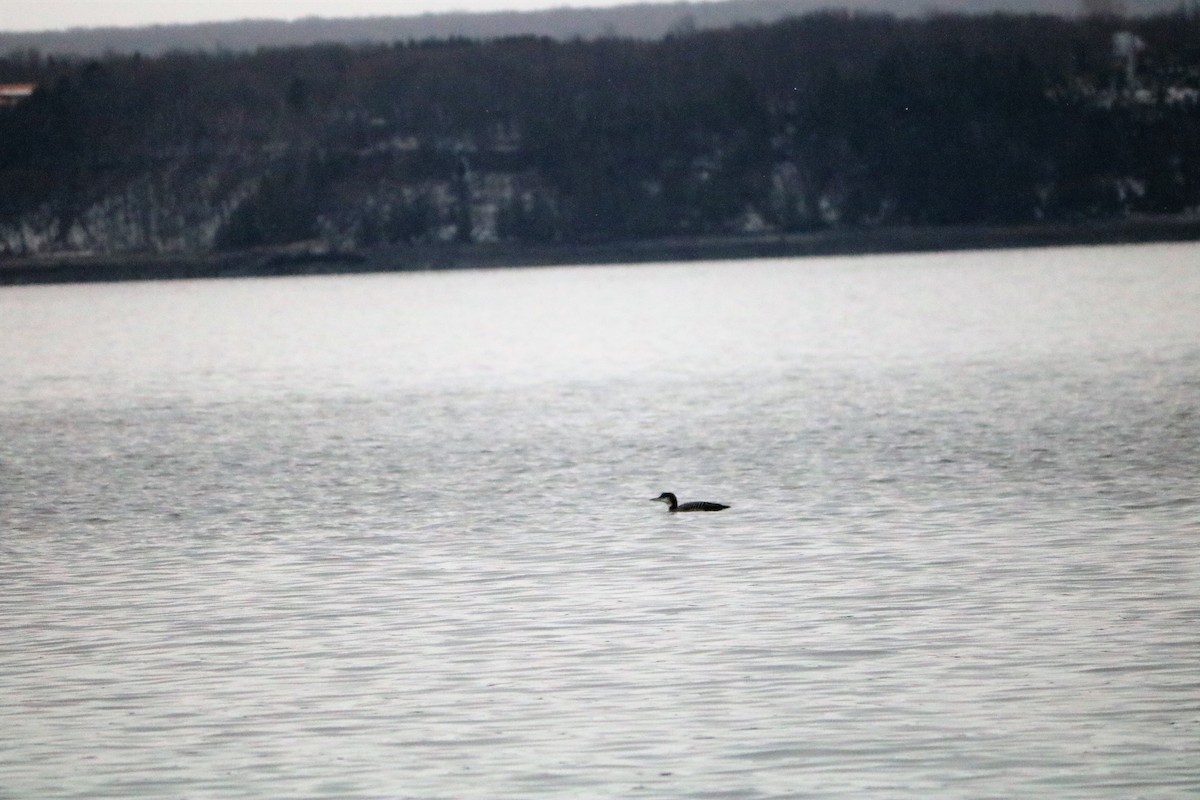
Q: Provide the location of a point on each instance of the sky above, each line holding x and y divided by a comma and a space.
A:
37, 15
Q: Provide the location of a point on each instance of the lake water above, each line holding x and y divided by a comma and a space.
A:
389, 536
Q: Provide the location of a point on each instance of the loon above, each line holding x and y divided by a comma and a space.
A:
673, 504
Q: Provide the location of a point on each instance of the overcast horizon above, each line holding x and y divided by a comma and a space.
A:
61, 15
53, 15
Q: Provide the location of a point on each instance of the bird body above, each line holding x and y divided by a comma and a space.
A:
673, 504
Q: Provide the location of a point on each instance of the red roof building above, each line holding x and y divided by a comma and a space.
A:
13, 93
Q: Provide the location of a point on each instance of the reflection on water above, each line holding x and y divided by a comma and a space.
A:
389, 536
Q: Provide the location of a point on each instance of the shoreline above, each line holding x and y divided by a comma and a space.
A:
296, 260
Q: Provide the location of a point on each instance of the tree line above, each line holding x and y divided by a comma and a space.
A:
829, 119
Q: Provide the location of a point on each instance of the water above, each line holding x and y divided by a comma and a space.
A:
389, 536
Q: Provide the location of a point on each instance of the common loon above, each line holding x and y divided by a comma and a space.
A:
673, 504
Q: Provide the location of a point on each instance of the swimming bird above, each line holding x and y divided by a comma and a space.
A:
673, 504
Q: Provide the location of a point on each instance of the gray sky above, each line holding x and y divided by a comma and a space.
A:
29, 15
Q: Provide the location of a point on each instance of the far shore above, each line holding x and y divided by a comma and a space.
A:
306, 259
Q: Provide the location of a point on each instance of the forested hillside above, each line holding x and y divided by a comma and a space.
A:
821, 121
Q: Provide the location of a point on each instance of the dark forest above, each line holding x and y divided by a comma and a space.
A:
823, 121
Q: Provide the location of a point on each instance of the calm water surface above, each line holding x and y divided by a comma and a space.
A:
388, 536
